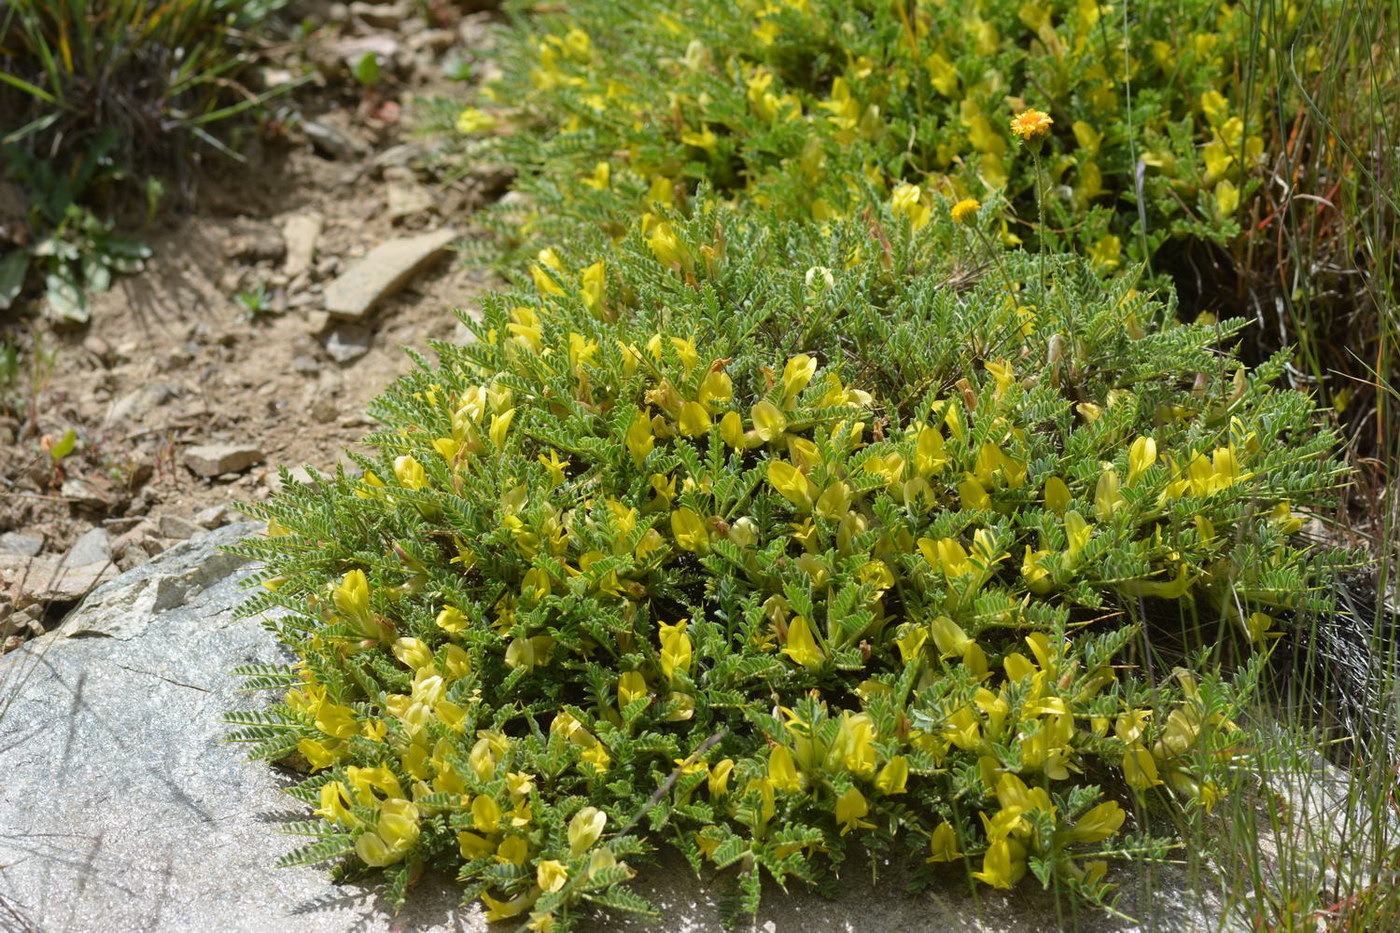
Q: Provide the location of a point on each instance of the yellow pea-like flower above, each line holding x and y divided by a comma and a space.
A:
802, 644
1057, 497
639, 438
782, 773
551, 875
792, 484
943, 843
630, 686
689, 531
500, 424
893, 776
850, 808
585, 829
719, 777
797, 373
1141, 456
769, 422
694, 420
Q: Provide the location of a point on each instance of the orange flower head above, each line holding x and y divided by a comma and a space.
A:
1031, 124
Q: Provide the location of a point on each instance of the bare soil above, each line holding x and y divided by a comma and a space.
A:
216, 343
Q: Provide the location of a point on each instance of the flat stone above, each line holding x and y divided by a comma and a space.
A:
217, 459
347, 342
137, 403
406, 196
122, 807
49, 579
21, 544
83, 494
93, 547
213, 517
301, 231
383, 271
335, 141
262, 246
173, 526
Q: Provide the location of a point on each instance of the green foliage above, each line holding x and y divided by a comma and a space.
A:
95, 92
775, 540
1158, 131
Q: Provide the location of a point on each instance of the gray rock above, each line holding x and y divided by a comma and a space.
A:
399, 156
173, 526
24, 545
383, 271
301, 231
82, 494
122, 807
347, 342
336, 142
93, 547
382, 46
136, 404
216, 459
213, 517
50, 580
406, 196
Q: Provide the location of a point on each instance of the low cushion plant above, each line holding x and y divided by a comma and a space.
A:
775, 541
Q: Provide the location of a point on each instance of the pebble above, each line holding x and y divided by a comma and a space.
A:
25, 545
347, 342
93, 547
405, 195
220, 459
335, 142
301, 231
383, 271
216, 516
173, 526
82, 495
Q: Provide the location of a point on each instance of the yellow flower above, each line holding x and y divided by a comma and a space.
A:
965, 211
907, 201
801, 644
792, 484
630, 686
473, 120
688, 530
796, 374
782, 773
351, 598
719, 777
551, 874
943, 844
769, 422
409, 472
1098, 824
675, 649
893, 775
585, 829
850, 807
1003, 864
1031, 124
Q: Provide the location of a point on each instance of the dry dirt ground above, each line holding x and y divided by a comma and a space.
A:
218, 341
